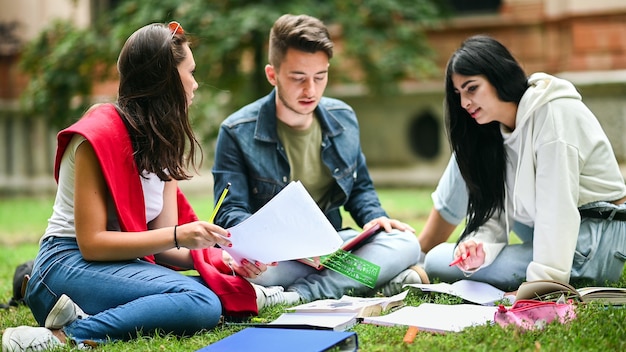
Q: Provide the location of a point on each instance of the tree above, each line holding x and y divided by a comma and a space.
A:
380, 42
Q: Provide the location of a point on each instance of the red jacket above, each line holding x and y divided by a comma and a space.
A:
103, 127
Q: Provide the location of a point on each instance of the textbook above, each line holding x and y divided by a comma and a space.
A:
286, 340
472, 291
336, 321
362, 306
549, 290
438, 318
347, 246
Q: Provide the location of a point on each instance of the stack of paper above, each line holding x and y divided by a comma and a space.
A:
363, 306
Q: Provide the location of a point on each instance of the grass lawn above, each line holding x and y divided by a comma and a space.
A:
596, 328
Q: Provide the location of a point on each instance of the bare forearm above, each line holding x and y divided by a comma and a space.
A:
436, 231
112, 246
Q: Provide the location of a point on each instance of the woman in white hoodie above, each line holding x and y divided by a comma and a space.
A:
531, 158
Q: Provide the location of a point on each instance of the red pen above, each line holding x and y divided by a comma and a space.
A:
459, 259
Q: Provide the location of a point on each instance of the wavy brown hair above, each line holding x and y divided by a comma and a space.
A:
153, 103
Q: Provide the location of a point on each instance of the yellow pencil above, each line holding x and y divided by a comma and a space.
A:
219, 202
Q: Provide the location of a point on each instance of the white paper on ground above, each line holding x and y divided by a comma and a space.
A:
437, 317
290, 226
472, 291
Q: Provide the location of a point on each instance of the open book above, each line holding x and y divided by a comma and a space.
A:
549, 290
472, 291
362, 306
438, 318
347, 246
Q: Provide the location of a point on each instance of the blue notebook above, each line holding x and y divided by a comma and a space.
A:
285, 340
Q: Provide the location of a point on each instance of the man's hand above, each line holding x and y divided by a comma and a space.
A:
388, 224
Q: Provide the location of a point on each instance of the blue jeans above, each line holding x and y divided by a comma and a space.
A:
122, 298
599, 257
393, 252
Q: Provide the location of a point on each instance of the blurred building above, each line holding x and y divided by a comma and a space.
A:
27, 145
583, 41
403, 136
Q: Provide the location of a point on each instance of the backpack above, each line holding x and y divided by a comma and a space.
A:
20, 278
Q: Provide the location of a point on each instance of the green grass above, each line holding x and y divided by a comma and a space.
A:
596, 328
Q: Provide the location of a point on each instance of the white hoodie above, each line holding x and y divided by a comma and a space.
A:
559, 158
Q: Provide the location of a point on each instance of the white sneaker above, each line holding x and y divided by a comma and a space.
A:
412, 275
64, 312
28, 338
273, 295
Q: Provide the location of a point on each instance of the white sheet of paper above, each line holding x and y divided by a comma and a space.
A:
290, 226
437, 317
473, 291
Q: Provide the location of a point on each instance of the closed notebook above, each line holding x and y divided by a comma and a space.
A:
338, 321
285, 340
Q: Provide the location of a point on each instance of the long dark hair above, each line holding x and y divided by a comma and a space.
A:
479, 149
153, 103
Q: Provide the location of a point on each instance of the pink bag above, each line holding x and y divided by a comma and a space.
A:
532, 314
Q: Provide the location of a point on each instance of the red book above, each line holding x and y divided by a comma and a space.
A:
347, 246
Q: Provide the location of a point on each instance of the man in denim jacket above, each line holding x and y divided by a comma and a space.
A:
296, 134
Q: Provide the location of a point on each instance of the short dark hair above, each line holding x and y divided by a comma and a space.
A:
302, 32
153, 103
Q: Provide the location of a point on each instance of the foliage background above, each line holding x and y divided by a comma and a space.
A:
378, 44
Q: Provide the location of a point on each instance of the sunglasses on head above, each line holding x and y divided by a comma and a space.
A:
175, 28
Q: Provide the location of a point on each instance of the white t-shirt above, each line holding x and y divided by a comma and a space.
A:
61, 223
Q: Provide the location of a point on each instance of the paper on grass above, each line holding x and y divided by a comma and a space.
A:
472, 291
290, 226
437, 317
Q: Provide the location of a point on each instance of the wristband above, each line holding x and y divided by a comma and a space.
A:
175, 239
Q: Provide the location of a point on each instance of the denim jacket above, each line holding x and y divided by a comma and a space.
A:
251, 158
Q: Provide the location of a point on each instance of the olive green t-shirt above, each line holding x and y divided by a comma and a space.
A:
303, 149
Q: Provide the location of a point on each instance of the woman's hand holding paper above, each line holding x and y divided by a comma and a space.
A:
248, 268
389, 224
